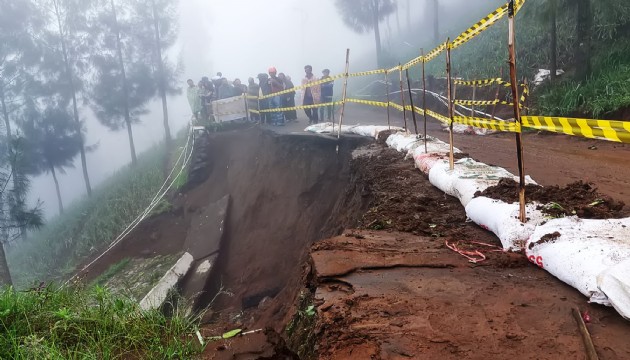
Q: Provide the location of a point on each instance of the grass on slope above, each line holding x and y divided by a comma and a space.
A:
90, 224
75, 323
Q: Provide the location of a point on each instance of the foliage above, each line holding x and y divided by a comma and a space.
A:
359, 15
88, 224
75, 323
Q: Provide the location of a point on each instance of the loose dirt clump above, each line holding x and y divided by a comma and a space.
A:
578, 198
545, 239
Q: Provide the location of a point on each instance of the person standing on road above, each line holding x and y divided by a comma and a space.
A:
311, 94
263, 83
327, 97
192, 93
276, 85
288, 100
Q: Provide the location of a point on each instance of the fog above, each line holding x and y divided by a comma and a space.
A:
242, 38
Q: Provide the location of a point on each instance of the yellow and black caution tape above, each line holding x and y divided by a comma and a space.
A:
413, 63
252, 97
479, 27
254, 111
366, 73
396, 106
483, 82
611, 130
301, 107
481, 102
435, 52
442, 118
394, 69
311, 84
497, 125
367, 102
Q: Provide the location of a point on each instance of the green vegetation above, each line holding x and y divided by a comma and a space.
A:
75, 323
87, 225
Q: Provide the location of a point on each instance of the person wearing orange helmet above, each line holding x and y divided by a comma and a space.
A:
276, 85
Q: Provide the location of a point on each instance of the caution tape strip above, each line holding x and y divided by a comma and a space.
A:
367, 102
311, 84
483, 82
366, 73
252, 97
435, 52
413, 63
301, 107
479, 27
489, 124
254, 111
611, 130
439, 117
481, 102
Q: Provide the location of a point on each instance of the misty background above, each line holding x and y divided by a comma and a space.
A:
242, 38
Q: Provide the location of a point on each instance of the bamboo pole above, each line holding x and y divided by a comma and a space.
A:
517, 112
389, 124
496, 97
402, 96
413, 111
246, 106
424, 101
472, 108
344, 94
449, 91
591, 354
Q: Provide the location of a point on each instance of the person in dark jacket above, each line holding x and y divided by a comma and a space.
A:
288, 100
327, 97
265, 89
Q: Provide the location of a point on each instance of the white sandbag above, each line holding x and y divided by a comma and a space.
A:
469, 130
467, 177
615, 283
362, 130
373, 130
590, 255
402, 142
328, 127
503, 220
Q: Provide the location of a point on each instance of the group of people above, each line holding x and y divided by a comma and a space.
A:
200, 96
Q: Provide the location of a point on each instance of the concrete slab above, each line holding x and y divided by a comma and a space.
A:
155, 298
193, 286
206, 230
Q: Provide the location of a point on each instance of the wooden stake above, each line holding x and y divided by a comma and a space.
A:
591, 354
496, 97
389, 125
449, 91
424, 101
413, 111
246, 106
472, 108
344, 94
517, 113
402, 97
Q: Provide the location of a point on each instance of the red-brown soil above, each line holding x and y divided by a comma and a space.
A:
394, 295
290, 191
578, 198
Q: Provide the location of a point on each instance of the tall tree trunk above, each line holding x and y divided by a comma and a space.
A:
75, 109
125, 86
377, 33
5, 274
161, 77
14, 169
436, 22
583, 31
554, 40
54, 175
